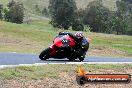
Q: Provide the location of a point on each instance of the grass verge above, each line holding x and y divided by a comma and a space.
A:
53, 71
59, 76
39, 34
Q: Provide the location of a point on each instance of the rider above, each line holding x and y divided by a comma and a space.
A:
78, 37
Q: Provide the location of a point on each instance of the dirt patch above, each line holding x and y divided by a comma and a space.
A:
10, 43
15, 41
65, 80
105, 51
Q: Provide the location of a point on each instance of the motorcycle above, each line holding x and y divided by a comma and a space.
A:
64, 46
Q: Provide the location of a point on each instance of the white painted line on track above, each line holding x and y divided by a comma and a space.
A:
77, 63
98, 62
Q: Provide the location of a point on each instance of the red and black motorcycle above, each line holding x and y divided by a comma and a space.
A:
64, 46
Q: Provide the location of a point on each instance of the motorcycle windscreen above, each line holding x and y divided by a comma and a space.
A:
64, 40
58, 42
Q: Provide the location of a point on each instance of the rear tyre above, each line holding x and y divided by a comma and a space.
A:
81, 59
44, 54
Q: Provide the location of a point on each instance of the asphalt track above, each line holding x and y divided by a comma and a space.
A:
19, 58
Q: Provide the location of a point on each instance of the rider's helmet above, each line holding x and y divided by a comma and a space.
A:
79, 36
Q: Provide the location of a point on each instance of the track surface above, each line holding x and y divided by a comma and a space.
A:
19, 58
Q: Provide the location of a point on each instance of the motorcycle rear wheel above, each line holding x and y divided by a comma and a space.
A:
44, 54
81, 59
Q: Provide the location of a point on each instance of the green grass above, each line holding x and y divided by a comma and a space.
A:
53, 71
30, 38
111, 4
39, 34
121, 42
34, 72
4, 2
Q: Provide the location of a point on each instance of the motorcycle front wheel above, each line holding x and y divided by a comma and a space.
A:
44, 55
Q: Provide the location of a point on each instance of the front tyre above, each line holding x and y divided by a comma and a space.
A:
44, 54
